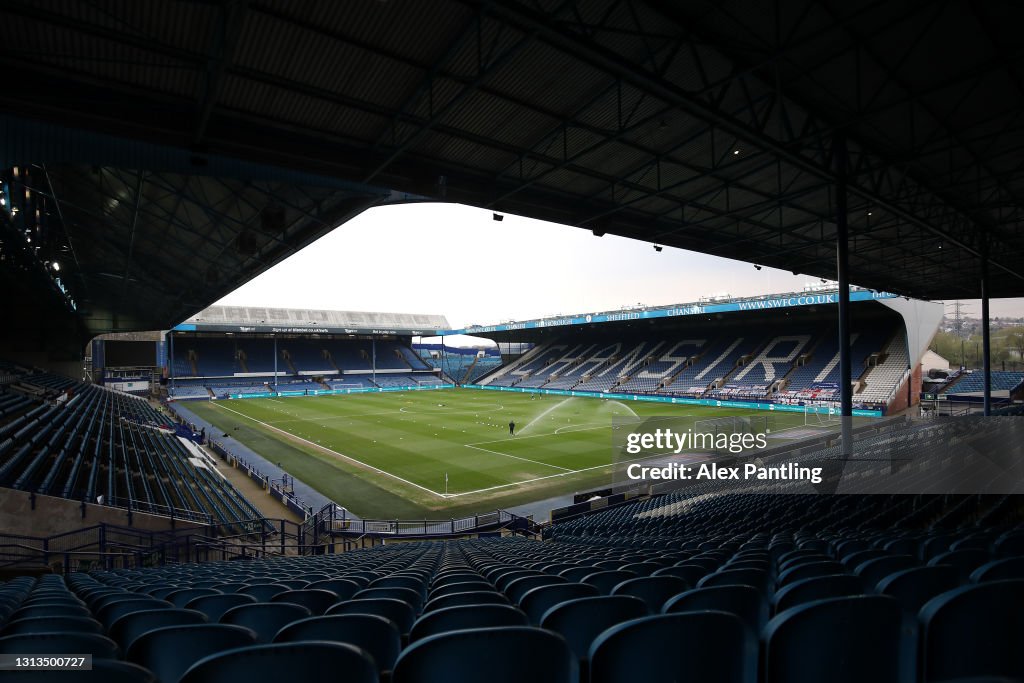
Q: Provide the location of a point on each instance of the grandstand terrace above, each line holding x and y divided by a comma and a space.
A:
231, 350
736, 587
63, 438
463, 365
727, 350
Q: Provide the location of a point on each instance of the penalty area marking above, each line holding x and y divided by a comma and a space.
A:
334, 452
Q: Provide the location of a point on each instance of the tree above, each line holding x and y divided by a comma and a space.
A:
1016, 342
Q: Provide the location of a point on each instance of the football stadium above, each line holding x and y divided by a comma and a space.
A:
248, 432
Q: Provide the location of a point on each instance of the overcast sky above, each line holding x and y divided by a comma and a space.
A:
456, 261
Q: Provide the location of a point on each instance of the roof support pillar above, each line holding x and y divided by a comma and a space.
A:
843, 278
986, 341
170, 343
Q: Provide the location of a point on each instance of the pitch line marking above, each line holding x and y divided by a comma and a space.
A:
340, 455
535, 462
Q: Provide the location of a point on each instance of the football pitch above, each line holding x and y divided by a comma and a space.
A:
444, 453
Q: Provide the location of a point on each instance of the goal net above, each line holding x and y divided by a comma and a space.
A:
820, 416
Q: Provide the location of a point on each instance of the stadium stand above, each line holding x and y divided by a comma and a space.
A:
461, 365
481, 367
749, 587
81, 442
882, 379
208, 365
188, 391
973, 382
306, 356
791, 364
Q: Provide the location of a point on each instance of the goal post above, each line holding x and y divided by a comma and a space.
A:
820, 416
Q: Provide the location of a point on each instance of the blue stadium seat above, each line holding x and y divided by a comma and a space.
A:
809, 570
401, 613
516, 589
873, 571
294, 584
56, 642
98, 602
48, 610
182, 597
974, 630
469, 598
746, 602
265, 619
343, 588
459, 587
736, 577
1009, 544
495, 655
577, 573
641, 568
73, 624
1006, 568
169, 651
467, 617
607, 580
816, 588
309, 662
376, 635
709, 646
841, 640
502, 578
914, 587
965, 561
111, 612
454, 576
536, 602
264, 592
690, 573
132, 625
161, 592
580, 621
407, 595
653, 590
410, 582
213, 606
316, 600
859, 557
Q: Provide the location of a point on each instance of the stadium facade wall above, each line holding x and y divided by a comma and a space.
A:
901, 401
24, 513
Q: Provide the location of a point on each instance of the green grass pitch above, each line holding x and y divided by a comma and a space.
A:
388, 455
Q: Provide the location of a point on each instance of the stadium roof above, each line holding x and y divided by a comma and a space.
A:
185, 147
262, 319
810, 298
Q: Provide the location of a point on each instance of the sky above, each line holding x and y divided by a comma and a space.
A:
457, 261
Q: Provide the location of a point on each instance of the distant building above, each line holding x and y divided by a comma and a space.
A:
933, 361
